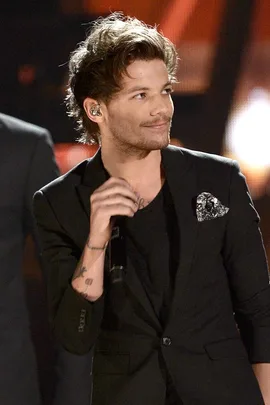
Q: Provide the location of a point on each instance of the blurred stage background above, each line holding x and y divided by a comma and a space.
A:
222, 101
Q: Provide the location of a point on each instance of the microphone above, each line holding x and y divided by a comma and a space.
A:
117, 251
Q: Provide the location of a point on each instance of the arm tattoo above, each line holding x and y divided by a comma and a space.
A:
79, 272
89, 281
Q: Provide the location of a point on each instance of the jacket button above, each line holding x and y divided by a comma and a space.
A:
166, 341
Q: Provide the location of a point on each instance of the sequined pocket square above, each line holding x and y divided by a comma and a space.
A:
209, 207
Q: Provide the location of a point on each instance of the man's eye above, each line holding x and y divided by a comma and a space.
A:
140, 96
169, 90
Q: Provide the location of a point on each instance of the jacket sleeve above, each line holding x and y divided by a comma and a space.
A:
246, 264
75, 320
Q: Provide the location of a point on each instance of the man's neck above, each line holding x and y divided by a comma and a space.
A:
143, 173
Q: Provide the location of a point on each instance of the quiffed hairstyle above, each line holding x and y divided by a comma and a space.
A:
99, 62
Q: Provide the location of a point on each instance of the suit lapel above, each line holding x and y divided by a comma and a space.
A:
182, 180
94, 176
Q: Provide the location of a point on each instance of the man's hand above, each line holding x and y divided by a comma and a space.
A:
114, 197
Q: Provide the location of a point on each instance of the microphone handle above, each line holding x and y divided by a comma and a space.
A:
117, 252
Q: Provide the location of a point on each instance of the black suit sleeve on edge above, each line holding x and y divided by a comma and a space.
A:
245, 261
75, 320
42, 170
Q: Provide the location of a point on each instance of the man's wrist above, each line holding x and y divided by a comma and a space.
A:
91, 247
95, 244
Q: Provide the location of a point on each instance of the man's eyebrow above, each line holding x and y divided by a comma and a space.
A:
140, 88
137, 88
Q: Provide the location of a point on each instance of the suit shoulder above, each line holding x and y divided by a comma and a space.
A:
207, 166
208, 161
208, 158
20, 129
67, 181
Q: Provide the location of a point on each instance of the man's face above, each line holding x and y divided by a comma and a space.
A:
138, 118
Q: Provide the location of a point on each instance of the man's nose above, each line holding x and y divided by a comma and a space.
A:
161, 105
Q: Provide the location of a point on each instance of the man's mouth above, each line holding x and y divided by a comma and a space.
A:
157, 125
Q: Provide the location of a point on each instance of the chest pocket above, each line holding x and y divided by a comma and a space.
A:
211, 235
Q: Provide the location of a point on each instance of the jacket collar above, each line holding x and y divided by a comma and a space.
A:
182, 179
175, 163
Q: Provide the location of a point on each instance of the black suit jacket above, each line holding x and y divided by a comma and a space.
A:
219, 321
26, 164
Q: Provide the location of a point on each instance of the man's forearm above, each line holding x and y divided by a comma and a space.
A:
262, 372
88, 276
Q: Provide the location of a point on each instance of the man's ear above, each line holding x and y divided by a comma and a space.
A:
93, 110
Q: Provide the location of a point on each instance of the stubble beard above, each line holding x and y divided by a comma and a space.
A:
143, 146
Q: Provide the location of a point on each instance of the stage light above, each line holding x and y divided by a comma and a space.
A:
247, 139
69, 155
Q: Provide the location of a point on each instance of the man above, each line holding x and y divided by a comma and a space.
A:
27, 163
165, 330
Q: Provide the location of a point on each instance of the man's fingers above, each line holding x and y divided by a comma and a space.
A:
112, 190
114, 200
112, 210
